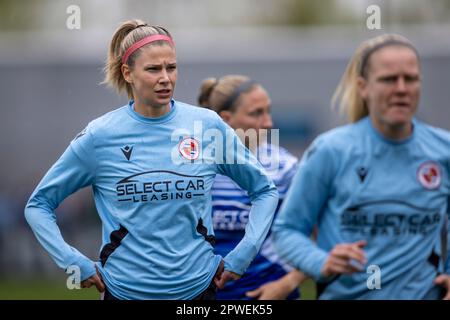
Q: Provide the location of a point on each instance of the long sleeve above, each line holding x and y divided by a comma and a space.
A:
72, 171
445, 239
301, 210
241, 166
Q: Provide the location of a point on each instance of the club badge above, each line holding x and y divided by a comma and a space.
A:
189, 148
429, 175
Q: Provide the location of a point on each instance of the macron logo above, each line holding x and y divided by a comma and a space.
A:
127, 151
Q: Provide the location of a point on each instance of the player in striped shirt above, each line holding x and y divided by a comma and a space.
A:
245, 106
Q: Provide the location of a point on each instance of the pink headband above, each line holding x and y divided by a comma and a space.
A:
143, 42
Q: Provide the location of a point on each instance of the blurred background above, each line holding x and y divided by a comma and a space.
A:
50, 75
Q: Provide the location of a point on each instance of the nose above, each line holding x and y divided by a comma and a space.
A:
267, 121
400, 85
164, 78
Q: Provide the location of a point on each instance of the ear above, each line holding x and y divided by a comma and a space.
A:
126, 72
361, 84
226, 116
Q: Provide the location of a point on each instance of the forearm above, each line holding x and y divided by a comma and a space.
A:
72, 171
260, 220
292, 280
297, 277
43, 223
299, 250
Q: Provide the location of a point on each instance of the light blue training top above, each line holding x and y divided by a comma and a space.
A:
151, 179
354, 184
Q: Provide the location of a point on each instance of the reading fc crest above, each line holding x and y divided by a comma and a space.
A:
189, 148
429, 175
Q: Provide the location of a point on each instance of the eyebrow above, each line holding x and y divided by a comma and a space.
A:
259, 108
396, 75
159, 64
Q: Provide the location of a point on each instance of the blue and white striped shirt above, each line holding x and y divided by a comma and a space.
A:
231, 206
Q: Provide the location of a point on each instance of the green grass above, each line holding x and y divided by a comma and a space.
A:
43, 290
52, 289
308, 290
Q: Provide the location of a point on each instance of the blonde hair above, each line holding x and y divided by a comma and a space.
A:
128, 33
224, 93
346, 96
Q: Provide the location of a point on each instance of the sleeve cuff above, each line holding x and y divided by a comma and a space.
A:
315, 271
238, 263
87, 268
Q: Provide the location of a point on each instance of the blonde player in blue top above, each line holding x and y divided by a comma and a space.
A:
377, 188
151, 165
